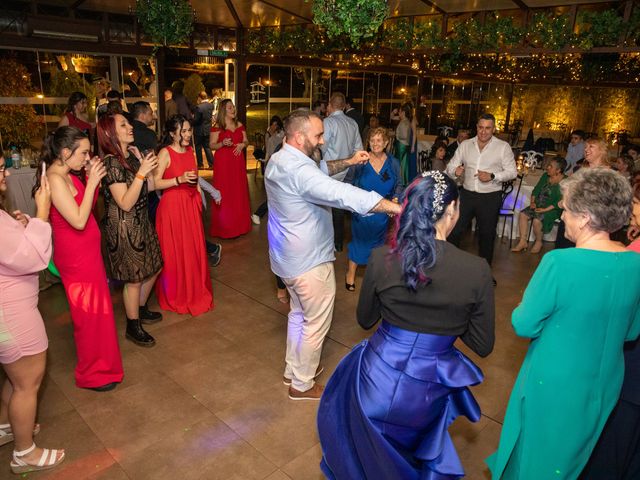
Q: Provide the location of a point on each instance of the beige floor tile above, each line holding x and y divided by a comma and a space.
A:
306, 466
130, 419
281, 429
206, 450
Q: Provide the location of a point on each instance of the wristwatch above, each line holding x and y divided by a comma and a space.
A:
493, 176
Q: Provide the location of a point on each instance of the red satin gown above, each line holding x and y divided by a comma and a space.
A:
232, 217
77, 255
184, 285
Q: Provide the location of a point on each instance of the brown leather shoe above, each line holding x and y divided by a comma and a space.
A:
319, 370
314, 393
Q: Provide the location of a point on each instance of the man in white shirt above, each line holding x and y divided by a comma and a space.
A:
483, 162
341, 140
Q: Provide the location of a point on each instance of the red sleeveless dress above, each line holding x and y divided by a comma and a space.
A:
77, 255
184, 285
232, 217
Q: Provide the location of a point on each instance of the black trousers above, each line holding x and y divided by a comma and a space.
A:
262, 209
617, 453
485, 207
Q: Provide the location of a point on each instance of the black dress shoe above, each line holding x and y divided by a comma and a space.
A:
137, 334
495, 284
147, 316
104, 388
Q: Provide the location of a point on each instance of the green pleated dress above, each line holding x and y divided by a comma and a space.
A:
579, 308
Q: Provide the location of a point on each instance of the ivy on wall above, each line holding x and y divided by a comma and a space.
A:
455, 51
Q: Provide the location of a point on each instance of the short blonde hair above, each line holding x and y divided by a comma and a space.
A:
379, 131
603, 147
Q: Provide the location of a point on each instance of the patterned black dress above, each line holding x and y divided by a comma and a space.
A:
132, 248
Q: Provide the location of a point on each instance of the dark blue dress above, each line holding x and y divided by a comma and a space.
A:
385, 412
368, 232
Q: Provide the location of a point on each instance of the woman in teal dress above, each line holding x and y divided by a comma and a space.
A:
544, 209
404, 145
579, 308
380, 174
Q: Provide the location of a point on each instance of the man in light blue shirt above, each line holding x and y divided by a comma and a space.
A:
300, 195
341, 140
575, 150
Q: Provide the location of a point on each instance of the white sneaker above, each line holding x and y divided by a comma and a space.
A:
255, 219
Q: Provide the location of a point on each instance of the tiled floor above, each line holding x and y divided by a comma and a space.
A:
207, 402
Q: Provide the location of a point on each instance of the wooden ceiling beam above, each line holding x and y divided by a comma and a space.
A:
521, 5
233, 12
433, 6
288, 12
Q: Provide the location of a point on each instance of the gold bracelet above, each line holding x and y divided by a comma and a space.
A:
140, 177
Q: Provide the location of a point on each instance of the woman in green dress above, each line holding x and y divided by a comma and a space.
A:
544, 208
579, 308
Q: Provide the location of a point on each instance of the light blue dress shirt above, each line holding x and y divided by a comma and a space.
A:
341, 139
574, 153
300, 195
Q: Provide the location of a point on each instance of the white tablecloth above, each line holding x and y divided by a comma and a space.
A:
19, 185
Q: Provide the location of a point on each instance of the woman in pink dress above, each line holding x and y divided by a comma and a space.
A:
77, 255
184, 284
25, 249
232, 217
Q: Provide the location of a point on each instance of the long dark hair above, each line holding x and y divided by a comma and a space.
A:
54, 143
176, 122
108, 139
74, 98
414, 240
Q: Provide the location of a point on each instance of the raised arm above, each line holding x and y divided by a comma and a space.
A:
337, 166
61, 197
127, 196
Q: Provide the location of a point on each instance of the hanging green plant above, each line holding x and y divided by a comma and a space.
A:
165, 22
599, 29
427, 35
551, 32
358, 19
396, 34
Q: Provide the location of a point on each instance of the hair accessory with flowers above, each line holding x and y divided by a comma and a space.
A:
440, 188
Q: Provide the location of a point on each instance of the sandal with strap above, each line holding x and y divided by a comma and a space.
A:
6, 434
49, 459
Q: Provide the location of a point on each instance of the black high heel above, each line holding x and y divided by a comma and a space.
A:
350, 286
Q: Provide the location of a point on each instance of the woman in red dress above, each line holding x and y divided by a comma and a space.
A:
232, 217
77, 255
184, 285
76, 114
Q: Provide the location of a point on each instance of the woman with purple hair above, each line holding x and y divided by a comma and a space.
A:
386, 409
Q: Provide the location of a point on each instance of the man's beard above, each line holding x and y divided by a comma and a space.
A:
309, 150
